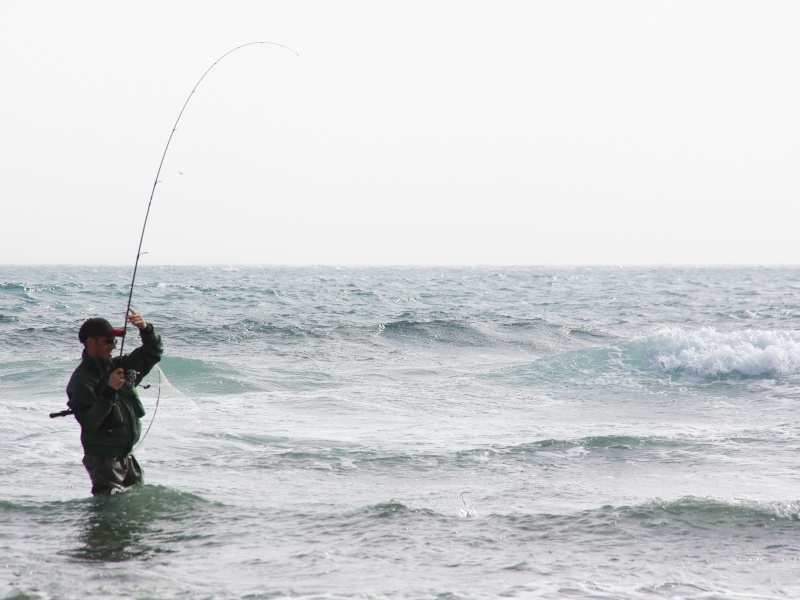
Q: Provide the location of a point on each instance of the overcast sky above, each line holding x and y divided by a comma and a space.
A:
417, 133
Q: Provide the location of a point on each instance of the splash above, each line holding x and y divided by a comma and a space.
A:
708, 352
466, 511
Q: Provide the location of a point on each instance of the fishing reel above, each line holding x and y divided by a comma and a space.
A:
130, 378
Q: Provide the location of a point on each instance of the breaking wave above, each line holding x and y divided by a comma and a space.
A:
708, 352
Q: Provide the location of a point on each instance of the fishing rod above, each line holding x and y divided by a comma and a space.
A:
161, 164
139, 252
132, 379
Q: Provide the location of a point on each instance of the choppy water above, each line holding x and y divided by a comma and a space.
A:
415, 433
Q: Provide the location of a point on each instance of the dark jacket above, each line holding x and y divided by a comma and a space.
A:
109, 418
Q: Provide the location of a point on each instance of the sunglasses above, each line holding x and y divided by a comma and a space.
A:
110, 341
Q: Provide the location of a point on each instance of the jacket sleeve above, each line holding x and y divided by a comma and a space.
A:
91, 408
146, 356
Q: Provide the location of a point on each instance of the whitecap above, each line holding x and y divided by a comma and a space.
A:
709, 352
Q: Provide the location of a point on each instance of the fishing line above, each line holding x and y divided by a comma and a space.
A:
155, 409
150, 203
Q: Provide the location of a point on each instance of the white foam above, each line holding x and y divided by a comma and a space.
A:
709, 352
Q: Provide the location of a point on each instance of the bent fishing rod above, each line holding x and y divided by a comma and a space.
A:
161, 164
139, 252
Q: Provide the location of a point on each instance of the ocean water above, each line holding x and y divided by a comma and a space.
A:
414, 433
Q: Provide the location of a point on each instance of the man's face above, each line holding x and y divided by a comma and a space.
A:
101, 346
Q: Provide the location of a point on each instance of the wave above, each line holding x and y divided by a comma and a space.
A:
460, 333
204, 377
674, 522
713, 509
140, 522
24, 378
672, 351
147, 500
680, 516
623, 448
534, 335
708, 352
278, 454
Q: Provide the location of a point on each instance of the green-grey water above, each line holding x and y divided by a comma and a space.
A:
402, 433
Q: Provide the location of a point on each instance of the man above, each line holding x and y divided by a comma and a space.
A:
106, 405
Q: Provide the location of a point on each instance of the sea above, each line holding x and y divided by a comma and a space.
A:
403, 433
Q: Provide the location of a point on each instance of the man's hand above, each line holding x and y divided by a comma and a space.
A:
117, 379
135, 318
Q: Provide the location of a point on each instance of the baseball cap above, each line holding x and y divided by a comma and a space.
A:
99, 327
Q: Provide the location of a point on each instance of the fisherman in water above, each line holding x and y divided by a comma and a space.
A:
103, 396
